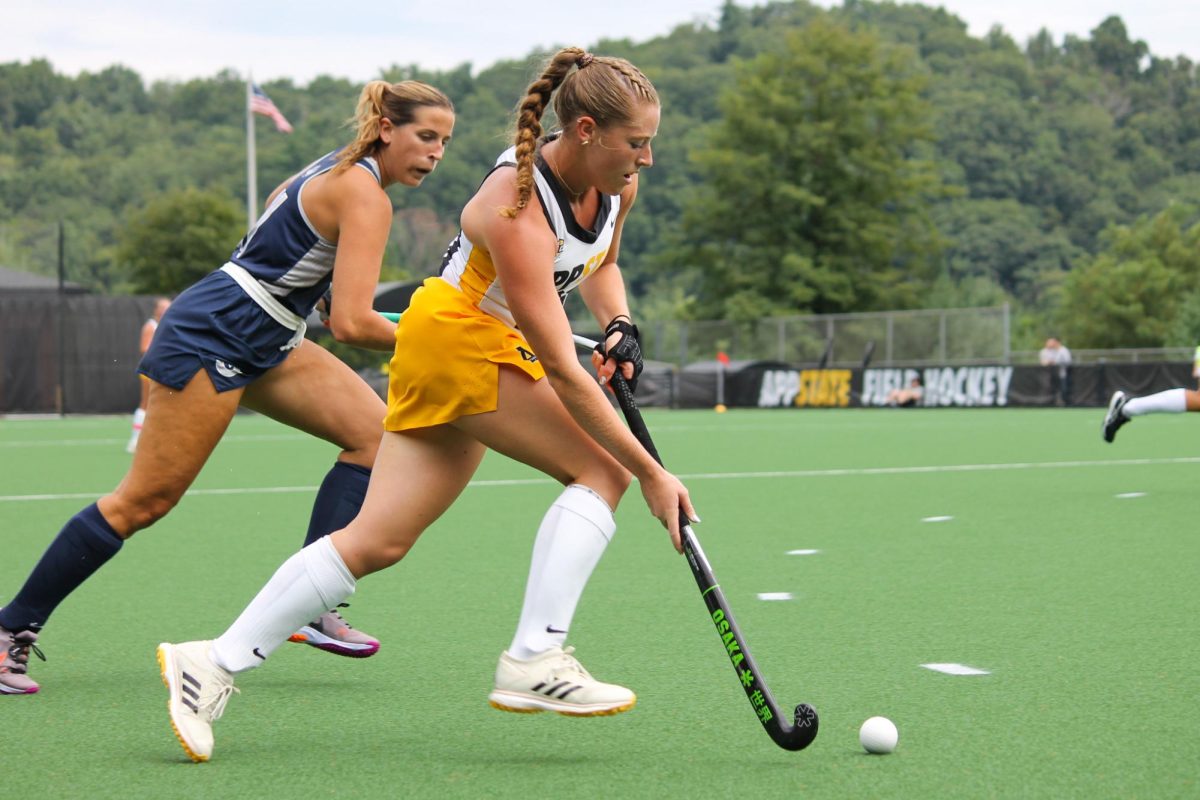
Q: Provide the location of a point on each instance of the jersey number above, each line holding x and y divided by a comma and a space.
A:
564, 279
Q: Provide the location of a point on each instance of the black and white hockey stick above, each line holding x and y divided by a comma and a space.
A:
794, 735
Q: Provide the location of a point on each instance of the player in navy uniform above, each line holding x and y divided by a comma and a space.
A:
504, 375
236, 337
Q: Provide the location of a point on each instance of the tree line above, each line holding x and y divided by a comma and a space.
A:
872, 156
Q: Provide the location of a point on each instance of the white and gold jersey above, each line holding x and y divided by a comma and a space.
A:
580, 251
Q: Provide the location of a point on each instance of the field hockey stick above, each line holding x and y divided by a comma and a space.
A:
790, 736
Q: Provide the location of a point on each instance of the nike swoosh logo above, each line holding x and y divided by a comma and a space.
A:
260, 655
553, 630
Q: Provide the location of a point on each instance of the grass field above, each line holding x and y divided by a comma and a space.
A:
1063, 567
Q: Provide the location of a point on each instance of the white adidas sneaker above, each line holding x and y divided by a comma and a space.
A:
199, 690
555, 681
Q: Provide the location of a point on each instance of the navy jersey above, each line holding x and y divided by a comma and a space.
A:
284, 252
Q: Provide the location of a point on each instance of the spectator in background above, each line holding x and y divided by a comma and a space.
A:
147, 334
1057, 357
1196, 366
907, 398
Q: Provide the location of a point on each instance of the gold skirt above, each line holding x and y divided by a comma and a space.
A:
447, 359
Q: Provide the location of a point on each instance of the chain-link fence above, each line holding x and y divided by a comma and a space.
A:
1121, 355
927, 336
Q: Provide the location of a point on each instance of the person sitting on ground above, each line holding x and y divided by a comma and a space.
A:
908, 397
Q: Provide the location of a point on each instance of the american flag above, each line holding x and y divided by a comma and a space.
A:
261, 104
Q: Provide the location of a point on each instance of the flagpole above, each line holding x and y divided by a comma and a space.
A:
251, 161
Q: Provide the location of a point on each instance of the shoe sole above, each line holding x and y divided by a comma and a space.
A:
10, 690
524, 704
314, 638
166, 668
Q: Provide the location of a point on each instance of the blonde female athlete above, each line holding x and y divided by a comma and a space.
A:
237, 337
484, 358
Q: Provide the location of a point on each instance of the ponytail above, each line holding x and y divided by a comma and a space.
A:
529, 118
396, 101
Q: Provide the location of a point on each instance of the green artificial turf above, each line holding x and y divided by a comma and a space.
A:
1081, 605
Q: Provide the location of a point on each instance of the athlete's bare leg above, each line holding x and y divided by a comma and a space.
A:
532, 426
419, 473
314, 391
182, 428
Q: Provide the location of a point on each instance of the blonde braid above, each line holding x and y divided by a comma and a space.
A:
529, 120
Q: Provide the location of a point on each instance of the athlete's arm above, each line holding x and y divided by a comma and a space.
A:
604, 290
523, 250
351, 209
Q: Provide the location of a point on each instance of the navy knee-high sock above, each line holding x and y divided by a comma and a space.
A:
84, 545
338, 500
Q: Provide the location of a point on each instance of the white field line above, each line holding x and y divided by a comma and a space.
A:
288, 435
956, 669
699, 476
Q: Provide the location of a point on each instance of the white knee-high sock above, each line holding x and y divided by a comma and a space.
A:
570, 541
308, 584
1172, 401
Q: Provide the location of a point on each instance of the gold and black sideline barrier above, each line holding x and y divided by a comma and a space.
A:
77, 354
765, 384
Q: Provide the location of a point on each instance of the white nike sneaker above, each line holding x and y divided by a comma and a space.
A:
199, 690
555, 681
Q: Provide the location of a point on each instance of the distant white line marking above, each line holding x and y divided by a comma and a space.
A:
703, 476
1127, 495
837, 473
802, 552
956, 669
936, 519
247, 490
774, 595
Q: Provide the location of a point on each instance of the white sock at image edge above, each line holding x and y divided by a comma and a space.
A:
1172, 401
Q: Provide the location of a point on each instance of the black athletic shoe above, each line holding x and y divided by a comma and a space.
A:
1115, 417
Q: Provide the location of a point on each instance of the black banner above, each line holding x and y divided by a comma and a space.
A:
764, 384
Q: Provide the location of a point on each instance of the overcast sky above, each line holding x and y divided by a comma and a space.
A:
300, 39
